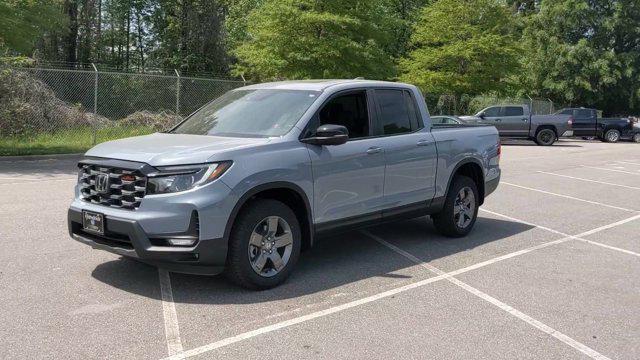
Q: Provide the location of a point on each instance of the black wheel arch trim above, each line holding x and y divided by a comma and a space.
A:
271, 186
455, 170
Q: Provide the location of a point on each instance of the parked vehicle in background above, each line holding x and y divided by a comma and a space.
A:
443, 120
247, 181
586, 123
516, 121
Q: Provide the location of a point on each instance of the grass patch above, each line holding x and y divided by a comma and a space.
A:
68, 141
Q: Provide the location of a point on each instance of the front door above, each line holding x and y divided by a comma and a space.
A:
348, 178
493, 116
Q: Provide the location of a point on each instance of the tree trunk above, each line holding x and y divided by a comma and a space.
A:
99, 33
140, 45
71, 38
128, 35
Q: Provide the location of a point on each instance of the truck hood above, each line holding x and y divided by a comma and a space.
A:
161, 149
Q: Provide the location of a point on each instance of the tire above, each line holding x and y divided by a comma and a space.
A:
636, 138
612, 136
447, 221
545, 137
250, 245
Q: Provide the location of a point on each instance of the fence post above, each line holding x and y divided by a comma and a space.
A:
530, 104
95, 101
177, 92
244, 81
551, 108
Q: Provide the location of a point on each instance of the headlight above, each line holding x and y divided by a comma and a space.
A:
181, 178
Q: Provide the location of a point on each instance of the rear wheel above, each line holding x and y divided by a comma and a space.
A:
545, 137
264, 245
612, 136
636, 138
460, 209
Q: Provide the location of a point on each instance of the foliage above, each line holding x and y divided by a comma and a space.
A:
22, 22
585, 52
163, 120
66, 141
462, 47
298, 39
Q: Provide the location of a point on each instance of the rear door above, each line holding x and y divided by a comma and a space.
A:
514, 121
409, 151
584, 122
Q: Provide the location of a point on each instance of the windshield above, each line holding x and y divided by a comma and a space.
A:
259, 113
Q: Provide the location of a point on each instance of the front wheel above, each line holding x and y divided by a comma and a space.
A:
460, 209
636, 138
545, 137
264, 245
612, 136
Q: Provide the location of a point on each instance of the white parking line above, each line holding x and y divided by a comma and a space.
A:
171, 328
628, 162
287, 323
614, 170
484, 296
579, 237
589, 180
567, 197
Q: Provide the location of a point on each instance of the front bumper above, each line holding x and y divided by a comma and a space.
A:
127, 238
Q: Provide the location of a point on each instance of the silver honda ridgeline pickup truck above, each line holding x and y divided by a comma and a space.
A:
252, 178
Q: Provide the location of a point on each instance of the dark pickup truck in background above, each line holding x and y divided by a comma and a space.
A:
586, 123
517, 121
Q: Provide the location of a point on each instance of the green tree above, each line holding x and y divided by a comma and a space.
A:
23, 22
462, 47
297, 39
585, 53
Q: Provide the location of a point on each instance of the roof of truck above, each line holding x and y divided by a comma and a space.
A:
318, 85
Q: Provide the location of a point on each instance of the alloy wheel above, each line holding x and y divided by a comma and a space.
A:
270, 246
464, 207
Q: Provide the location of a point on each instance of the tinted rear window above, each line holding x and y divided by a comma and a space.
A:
583, 113
513, 111
394, 113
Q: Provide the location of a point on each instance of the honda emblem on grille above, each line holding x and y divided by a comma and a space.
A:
102, 183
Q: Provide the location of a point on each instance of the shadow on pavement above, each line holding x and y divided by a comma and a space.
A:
332, 262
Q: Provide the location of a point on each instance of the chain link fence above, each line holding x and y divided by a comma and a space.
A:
62, 110
49, 110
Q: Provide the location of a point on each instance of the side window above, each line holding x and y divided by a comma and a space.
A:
394, 112
513, 111
583, 113
350, 111
566, 112
492, 111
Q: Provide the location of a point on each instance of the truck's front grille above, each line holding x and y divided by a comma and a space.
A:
111, 186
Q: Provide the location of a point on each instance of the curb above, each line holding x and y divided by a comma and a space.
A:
39, 157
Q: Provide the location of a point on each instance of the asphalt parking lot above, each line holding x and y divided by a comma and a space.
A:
551, 270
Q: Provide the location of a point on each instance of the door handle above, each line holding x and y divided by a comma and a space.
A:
498, 120
423, 142
525, 119
374, 150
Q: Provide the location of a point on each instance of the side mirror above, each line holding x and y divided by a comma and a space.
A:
328, 135
481, 116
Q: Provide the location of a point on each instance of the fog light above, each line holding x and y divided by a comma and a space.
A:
182, 242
